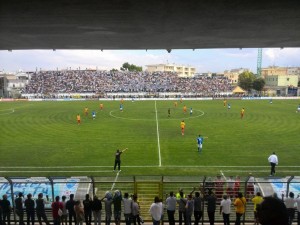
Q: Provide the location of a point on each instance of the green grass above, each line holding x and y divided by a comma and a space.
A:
45, 134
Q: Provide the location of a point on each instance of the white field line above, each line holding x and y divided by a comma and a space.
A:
149, 166
223, 175
109, 171
55, 171
260, 171
157, 131
114, 183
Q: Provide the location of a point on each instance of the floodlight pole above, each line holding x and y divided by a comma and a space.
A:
12, 197
288, 185
203, 202
52, 188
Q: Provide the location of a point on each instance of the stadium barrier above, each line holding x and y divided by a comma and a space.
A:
147, 187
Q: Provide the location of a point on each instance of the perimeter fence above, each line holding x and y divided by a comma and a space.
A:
147, 187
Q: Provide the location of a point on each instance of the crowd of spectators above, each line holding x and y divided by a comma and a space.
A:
91, 81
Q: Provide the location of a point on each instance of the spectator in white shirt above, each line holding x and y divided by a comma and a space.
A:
156, 211
225, 209
290, 205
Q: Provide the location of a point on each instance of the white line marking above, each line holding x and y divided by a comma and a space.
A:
260, 171
149, 166
223, 175
6, 111
158, 144
56, 171
114, 183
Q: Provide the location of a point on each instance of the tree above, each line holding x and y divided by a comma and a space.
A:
258, 84
246, 80
130, 67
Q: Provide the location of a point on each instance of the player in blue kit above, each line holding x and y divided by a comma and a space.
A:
199, 142
94, 115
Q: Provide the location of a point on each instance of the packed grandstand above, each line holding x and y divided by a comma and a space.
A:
91, 81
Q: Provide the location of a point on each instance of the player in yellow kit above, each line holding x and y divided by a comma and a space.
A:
182, 126
86, 111
242, 113
78, 119
184, 109
101, 106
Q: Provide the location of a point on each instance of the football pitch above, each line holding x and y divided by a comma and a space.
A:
44, 139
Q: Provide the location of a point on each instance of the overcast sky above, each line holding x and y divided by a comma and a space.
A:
204, 60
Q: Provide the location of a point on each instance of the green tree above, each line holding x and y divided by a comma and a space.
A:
130, 67
258, 84
246, 80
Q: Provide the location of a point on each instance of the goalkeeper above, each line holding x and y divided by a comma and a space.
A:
118, 159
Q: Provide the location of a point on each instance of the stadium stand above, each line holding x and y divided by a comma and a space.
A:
87, 81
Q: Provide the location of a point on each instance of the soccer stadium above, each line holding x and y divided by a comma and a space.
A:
147, 146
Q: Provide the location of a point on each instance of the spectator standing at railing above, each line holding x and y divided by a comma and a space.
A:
181, 208
189, 209
6, 210
240, 207
108, 201
127, 203
136, 211
96, 208
56, 206
290, 205
19, 201
171, 208
70, 207
29, 206
87, 206
225, 209
211, 207
256, 201
198, 211
156, 211
79, 212
298, 209
64, 216
117, 201
40, 208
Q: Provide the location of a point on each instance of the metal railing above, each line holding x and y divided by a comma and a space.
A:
147, 187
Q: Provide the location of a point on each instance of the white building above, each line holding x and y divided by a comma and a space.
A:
182, 71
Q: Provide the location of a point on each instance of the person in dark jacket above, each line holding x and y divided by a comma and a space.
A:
70, 207
87, 206
29, 206
96, 208
6, 210
211, 207
40, 208
19, 201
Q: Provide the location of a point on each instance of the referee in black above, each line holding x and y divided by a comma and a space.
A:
118, 159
